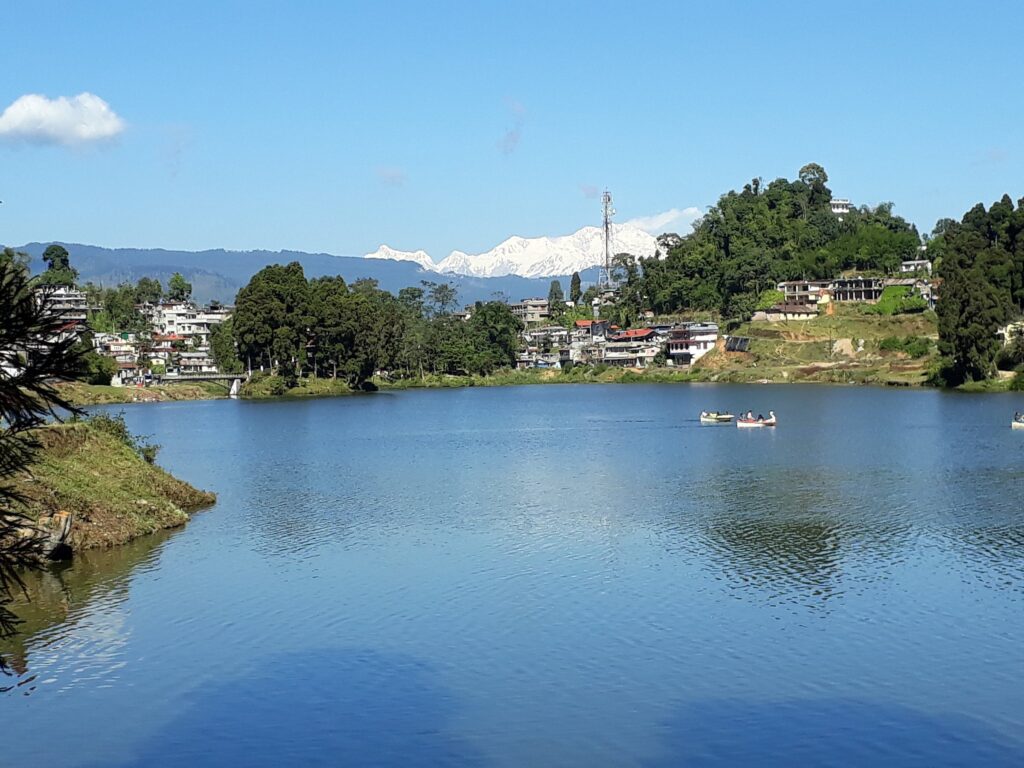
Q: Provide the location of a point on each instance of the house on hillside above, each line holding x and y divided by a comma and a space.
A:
866, 289
916, 266
531, 310
689, 342
782, 312
807, 292
630, 354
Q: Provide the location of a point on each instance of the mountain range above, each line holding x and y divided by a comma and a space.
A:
517, 268
533, 256
219, 274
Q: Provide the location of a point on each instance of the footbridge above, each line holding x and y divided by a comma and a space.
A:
232, 381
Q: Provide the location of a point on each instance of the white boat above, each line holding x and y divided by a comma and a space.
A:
747, 422
1017, 424
714, 417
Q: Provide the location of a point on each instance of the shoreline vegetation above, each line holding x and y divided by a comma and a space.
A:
103, 481
851, 347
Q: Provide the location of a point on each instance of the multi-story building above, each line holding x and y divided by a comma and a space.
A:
71, 303
807, 292
689, 342
867, 289
531, 310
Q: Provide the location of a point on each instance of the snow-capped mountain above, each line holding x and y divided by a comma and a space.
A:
420, 257
534, 256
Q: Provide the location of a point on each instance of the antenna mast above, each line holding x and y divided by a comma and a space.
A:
606, 204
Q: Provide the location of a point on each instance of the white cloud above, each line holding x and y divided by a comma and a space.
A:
77, 120
676, 220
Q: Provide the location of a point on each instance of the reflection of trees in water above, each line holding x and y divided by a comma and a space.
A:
62, 593
793, 535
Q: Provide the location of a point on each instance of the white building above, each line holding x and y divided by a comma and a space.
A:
840, 206
70, 303
689, 342
915, 266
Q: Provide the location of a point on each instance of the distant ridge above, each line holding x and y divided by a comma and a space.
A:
219, 274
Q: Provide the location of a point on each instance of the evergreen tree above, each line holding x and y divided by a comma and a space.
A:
575, 289
35, 356
58, 267
556, 299
178, 288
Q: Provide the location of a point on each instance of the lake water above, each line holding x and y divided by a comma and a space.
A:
561, 575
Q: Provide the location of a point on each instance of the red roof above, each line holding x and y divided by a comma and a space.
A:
584, 323
636, 333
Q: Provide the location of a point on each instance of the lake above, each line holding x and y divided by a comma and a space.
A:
551, 575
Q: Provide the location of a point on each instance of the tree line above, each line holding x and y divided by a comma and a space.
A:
981, 262
295, 327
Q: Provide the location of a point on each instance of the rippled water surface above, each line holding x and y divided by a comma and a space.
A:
564, 575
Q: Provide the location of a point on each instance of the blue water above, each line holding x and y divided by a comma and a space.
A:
563, 575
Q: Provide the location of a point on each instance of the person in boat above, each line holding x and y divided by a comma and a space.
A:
750, 415
1018, 417
760, 417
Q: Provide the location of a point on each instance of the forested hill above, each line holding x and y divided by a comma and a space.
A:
763, 234
219, 274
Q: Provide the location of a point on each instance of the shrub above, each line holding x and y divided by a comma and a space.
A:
769, 299
114, 425
896, 300
1017, 382
912, 346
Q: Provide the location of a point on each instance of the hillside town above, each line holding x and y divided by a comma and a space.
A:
176, 343
177, 340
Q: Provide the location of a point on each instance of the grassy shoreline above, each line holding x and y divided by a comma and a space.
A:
100, 477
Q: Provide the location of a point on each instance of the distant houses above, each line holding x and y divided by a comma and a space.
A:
177, 342
805, 299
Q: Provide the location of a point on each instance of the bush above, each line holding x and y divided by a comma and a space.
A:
769, 299
897, 300
97, 369
1017, 382
912, 346
114, 425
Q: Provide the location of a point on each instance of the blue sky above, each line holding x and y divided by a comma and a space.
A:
338, 126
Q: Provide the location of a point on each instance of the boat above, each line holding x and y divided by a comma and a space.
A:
1017, 424
714, 417
750, 422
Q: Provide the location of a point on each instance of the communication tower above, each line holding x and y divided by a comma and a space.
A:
605, 280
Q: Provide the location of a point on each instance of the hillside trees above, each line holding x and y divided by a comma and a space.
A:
983, 285
272, 317
763, 234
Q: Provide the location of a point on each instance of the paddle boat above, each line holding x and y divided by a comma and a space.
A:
1018, 421
760, 421
714, 417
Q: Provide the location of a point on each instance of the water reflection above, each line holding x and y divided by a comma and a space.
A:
314, 707
585, 571
63, 596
